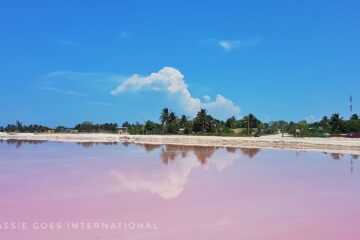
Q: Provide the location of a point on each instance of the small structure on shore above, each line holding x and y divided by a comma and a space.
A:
69, 130
122, 130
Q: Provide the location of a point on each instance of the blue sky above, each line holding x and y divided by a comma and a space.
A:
61, 60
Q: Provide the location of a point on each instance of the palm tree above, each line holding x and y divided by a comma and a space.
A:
172, 117
202, 121
183, 120
354, 117
19, 126
335, 121
324, 123
231, 122
164, 116
325, 119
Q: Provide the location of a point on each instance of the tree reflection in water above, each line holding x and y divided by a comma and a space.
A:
19, 142
91, 144
169, 153
336, 156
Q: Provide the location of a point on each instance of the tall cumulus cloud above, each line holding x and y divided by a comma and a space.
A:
171, 81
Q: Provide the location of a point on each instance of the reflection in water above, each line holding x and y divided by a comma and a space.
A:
353, 157
203, 153
149, 147
231, 149
20, 142
250, 152
126, 144
167, 155
336, 156
91, 144
170, 152
170, 182
339, 156
230, 197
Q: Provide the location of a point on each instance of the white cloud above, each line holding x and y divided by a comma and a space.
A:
57, 90
207, 98
169, 183
171, 81
229, 45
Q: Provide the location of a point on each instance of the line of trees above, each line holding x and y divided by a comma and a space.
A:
170, 123
20, 127
335, 125
81, 127
203, 123
90, 127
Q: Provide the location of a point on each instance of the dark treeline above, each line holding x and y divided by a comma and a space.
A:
335, 125
81, 127
89, 127
202, 123
205, 124
19, 127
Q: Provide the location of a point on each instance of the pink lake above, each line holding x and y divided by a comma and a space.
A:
71, 191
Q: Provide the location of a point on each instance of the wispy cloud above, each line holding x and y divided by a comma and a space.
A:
125, 35
69, 75
99, 103
171, 81
89, 77
75, 83
230, 45
57, 90
64, 41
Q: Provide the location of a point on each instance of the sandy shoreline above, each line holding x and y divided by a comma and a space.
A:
336, 145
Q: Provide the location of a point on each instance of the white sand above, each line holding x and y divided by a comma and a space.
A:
338, 145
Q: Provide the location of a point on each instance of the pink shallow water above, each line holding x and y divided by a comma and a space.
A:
180, 192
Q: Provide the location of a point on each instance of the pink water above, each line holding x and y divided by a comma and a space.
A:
180, 192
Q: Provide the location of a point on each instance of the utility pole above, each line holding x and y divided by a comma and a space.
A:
249, 124
351, 105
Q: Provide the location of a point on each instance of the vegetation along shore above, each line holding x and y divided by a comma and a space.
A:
204, 124
328, 134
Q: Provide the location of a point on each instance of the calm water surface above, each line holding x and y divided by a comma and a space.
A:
47, 190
